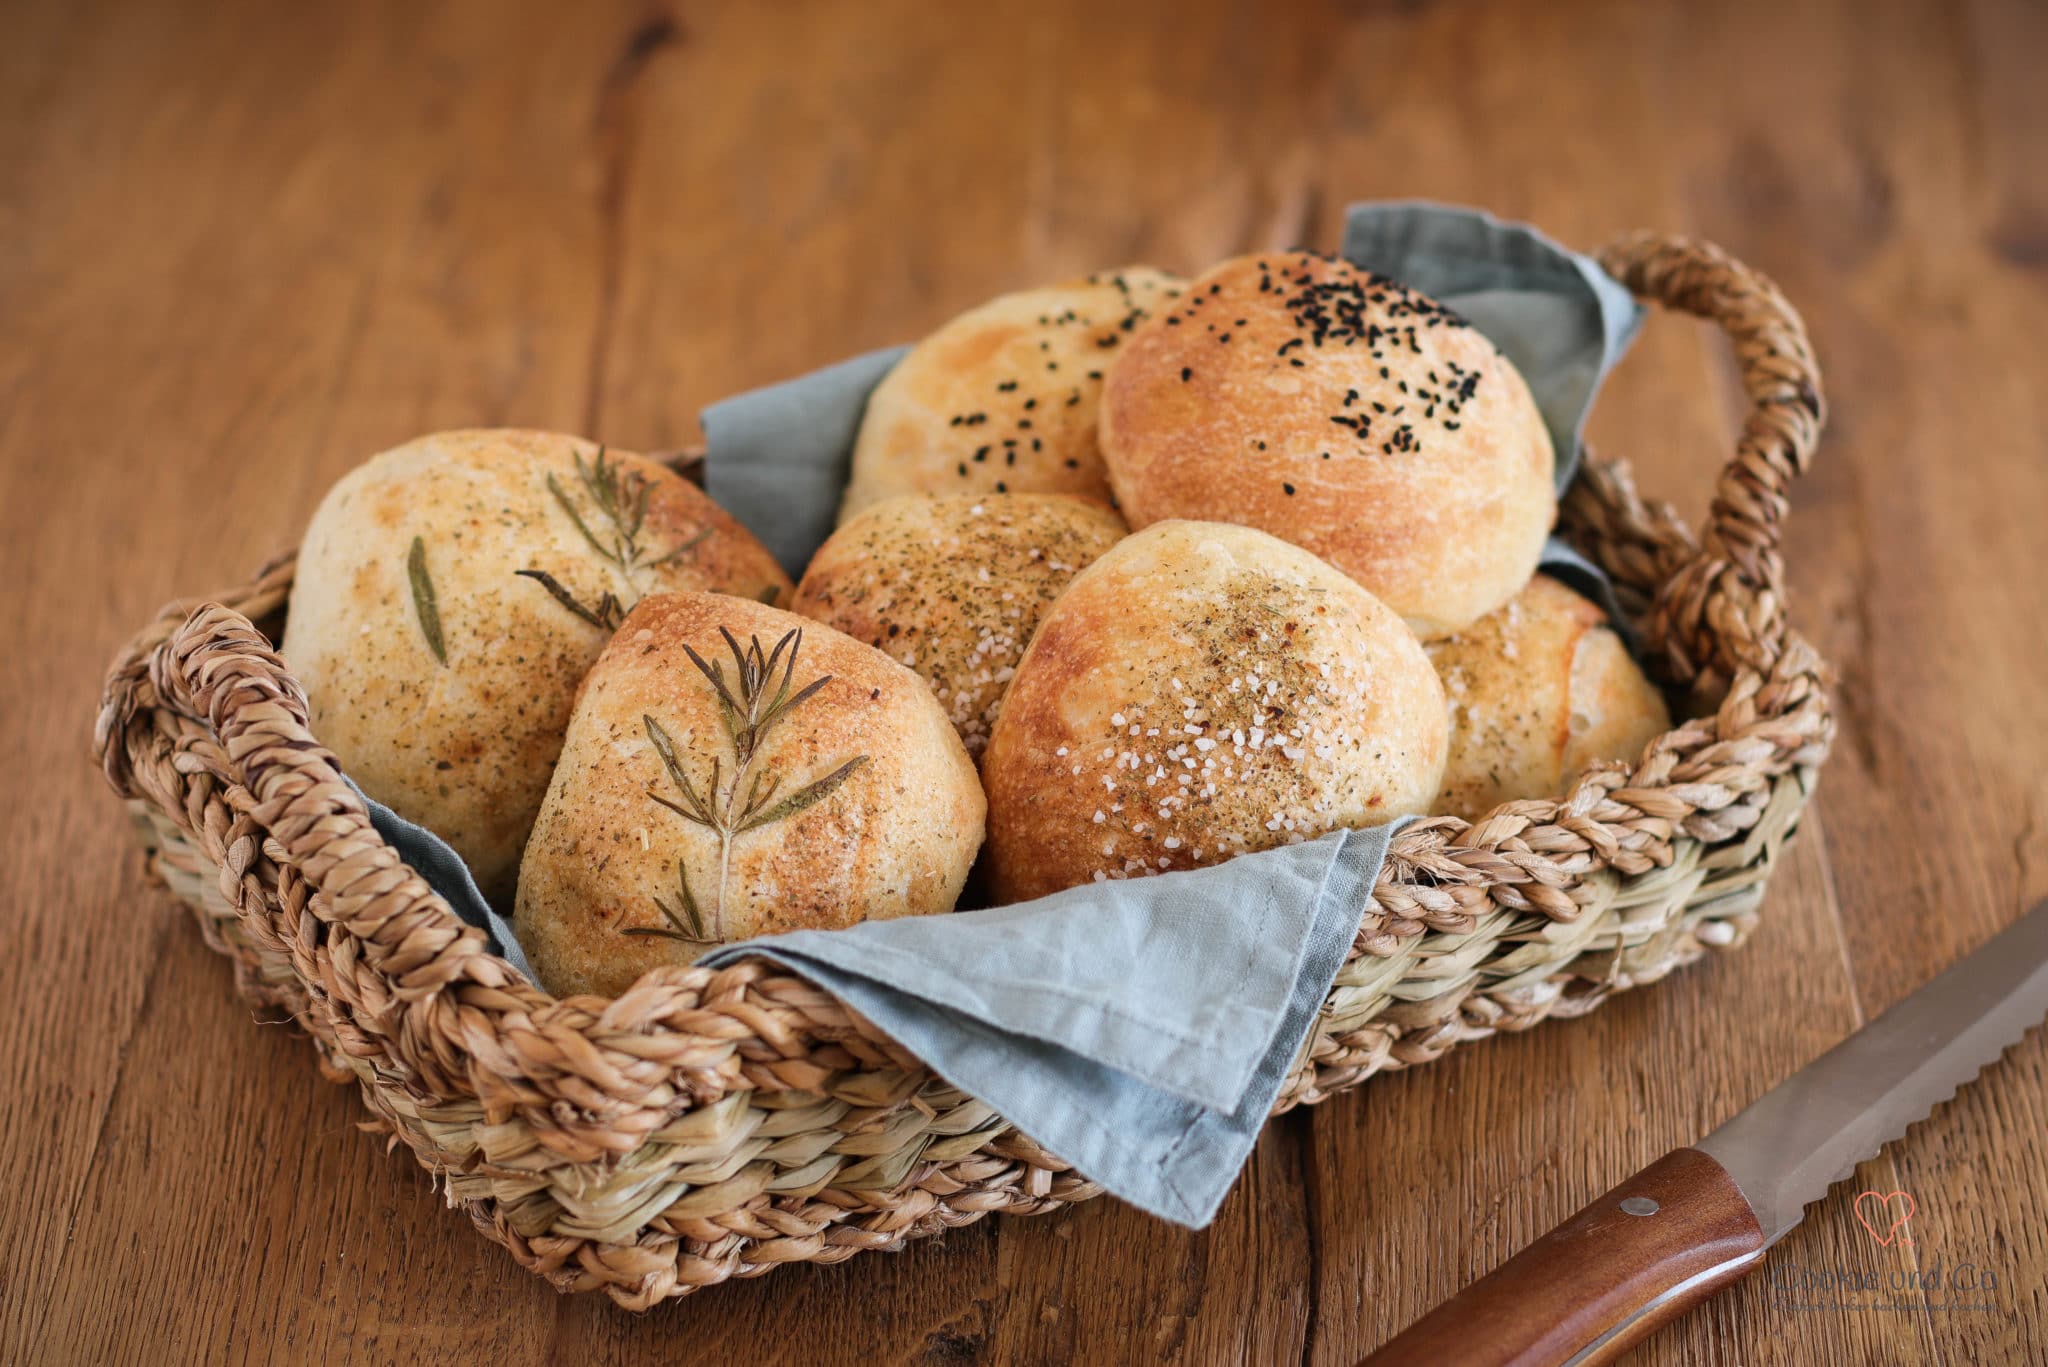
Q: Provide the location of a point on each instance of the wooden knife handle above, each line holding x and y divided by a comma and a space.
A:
1653, 1247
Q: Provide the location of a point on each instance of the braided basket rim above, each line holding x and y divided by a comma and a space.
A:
203, 729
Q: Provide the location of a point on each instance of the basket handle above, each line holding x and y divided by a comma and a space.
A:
218, 669
1724, 609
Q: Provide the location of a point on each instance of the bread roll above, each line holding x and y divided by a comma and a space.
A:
834, 792
1347, 414
442, 679
953, 587
1537, 691
1002, 399
1200, 691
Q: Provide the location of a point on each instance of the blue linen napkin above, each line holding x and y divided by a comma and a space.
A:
1139, 1029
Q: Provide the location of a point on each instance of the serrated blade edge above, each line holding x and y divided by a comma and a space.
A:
1811, 1131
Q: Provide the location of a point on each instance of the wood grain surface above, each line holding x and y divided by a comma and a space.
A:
244, 245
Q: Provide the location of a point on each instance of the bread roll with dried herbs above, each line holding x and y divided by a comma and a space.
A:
733, 770
1002, 399
953, 587
1201, 691
1346, 413
1538, 691
450, 595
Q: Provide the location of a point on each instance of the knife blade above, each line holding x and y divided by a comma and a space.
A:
1701, 1217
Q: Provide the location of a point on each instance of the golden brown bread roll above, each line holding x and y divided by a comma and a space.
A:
953, 587
440, 677
1537, 691
1347, 414
833, 791
1200, 691
1002, 399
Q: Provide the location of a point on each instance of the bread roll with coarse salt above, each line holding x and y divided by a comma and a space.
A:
736, 770
1349, 415
953, 587
442, 678
1003, 398
1538, 691
1200, 691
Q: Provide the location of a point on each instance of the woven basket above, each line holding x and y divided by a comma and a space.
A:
708, 1125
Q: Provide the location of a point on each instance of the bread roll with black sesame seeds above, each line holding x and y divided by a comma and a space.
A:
441, 678
1538, 690
1002, 399
832, 791
953, 588
1346, 413
1201, 691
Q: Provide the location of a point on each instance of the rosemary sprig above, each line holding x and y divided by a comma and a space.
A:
685, 922
606, 616
750, 705
619, 497
424, 601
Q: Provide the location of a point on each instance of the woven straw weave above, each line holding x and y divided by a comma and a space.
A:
708, 1125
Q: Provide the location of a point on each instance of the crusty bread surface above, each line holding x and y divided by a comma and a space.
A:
686, 812
953, 587
1537, 691
1343, 412
440, 677
1002, 399
1200, 691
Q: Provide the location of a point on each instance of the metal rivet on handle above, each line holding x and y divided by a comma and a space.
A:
1639, 1205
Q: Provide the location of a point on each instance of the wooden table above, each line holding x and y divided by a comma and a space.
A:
245, 245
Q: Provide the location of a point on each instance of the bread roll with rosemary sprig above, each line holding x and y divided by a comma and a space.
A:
733, 770
953, 587
1538, 690
1201, 691
1346, 413
450, 595
1002, 399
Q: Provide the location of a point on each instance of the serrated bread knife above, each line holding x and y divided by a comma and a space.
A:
1699, 1218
